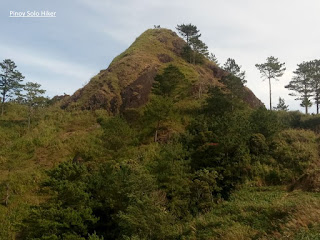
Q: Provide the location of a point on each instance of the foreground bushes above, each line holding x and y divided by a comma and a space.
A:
115, 182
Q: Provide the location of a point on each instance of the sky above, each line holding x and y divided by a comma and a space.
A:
63, 53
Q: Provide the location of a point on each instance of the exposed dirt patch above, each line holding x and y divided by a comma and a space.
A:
137, 93
216, 71
251, 99
178, 45
164, 58
98, 100
162, 39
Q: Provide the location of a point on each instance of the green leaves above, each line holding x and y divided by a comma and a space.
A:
196, 50
301, 84
188, 31
167, 83
10, 79
265, 122
117, 134
159, 109
33, 94
295, 151
271, 69
281, 105
235, 70
67, 214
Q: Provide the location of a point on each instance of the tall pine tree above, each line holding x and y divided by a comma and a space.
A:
10, 79
33, 97
271, 69
188, 31
315, 79
301, 85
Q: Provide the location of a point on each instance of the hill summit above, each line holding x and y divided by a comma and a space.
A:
127, 82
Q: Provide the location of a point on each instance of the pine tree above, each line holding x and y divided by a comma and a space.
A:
234, 80
212, 57
159, 109
10, 79
166, 83
200, 50
33, 97
281, 105
188, 31
234, 69
301, 85
315, 79
271, 69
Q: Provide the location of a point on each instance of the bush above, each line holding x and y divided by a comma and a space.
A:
295, 151
258, 144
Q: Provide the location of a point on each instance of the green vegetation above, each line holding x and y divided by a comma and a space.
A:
271, 69
235, 79
234, 69
302, 85
10, 79
111, 181
195, 51
32, 97
193, 162
212, 57
281, 106
188, 31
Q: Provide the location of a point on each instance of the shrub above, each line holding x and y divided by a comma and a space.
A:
295, 151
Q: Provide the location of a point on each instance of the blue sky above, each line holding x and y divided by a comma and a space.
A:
63, 53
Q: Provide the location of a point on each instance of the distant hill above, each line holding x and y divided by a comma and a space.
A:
127, 82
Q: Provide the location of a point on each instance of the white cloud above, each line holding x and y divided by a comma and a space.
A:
57, 76
41, 61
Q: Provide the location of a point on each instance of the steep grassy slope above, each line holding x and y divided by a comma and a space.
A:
55, 136
127, 82
261, 213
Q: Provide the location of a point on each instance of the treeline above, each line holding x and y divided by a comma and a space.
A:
305, 84
12, 89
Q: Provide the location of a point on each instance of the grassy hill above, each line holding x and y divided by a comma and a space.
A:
119, 160
127, 82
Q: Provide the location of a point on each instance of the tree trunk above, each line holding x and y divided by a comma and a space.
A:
317, 102
156, 133
194, 57
2, 104
6, 199
3, 93
156, 136
29, 118
200, 90
232, 107
306, 98
270, 93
